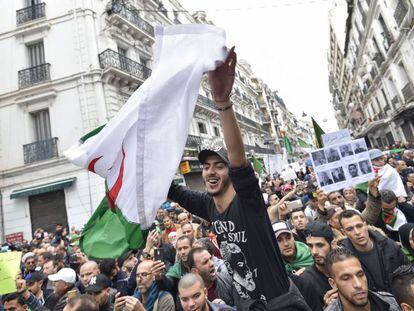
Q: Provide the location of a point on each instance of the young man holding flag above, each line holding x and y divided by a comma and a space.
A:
235, 207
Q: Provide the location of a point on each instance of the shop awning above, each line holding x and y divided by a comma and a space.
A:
53, 186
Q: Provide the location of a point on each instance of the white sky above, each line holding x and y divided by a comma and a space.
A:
287, 43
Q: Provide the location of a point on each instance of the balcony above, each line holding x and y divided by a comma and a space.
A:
408, 92
120, 67
379, 59
266, 120
395, 102
128, 20
30, 13
40, 150
258, 149
206, 102
34, 75
193, 141
400, 11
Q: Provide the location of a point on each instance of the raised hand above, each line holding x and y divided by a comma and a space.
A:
221, 80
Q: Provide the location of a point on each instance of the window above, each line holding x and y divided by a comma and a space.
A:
216, 131
41, 123
202, 128
122, 51
36, 54
32, 2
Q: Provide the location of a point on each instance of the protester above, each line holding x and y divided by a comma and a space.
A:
87, 271
299, 222
12, 302
379, 255
406, 234
403, 287
81, 303
99, 289
193, 295
295, 254
348, 277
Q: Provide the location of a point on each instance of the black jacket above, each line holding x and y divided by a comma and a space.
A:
390, 258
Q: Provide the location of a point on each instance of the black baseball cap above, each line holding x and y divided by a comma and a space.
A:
221, 153
320, 229
34, 277
98, 283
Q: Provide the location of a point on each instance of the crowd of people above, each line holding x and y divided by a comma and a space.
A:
249, 243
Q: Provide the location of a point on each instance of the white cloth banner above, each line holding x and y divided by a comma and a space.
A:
391, 180
139, 150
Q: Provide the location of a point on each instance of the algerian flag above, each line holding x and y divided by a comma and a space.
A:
318, 134
139, 150
303, 144
287, 144
257, 165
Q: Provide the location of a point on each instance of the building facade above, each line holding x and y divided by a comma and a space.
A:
68, 67
372, 83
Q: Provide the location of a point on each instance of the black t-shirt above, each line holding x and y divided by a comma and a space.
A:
371, 261
245, 235
320, 281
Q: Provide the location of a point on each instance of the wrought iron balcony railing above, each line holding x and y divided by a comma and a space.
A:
133, 17
193, 141
206, 101
379, 59
110, 58
34, 75
258, 149
400, 12
30, 13
408, 92
40, 150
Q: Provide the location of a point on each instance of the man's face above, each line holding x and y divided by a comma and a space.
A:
336, 198
188, 230
287, 246
49, 268
144, 277
101, 297
183, 248
30, 264
130, 262
13, 305
168, 222
378, 162
205, 267
193, 298
401, 166
353, 171
334, 220
356, 230
34, 287
389, 206
349, 195
40, 261
183, 219
273, 199
350, 279
299, 220
160, 213
60, 288
410, 178
319, 248
87, 271
215, 175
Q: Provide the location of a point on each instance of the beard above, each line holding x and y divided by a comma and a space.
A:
225, 183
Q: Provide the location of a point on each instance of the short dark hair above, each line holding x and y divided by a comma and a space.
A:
349, 213
190, 259
207, 244
12, 296
183, 237
83, 303
402, 280
295, 210
106, 266
337, 254
388, 196
47, 256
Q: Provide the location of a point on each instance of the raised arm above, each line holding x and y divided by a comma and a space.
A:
221, 82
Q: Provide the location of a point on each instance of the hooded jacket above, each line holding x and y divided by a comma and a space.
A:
386, 299
303, 258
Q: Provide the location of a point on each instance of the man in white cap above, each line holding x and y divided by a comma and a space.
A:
63, 282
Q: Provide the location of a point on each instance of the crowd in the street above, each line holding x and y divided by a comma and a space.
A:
257, 243
330, 243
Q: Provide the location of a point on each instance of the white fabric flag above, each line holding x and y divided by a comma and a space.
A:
391, 180
139, 150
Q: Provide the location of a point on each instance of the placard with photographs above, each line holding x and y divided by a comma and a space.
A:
342, 165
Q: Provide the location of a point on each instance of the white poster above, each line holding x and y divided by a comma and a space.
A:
274, 163
337, 137
344, 164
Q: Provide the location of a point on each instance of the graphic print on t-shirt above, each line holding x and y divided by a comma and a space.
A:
234, 258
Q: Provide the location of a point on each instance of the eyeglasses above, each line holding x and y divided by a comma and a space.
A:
403, 271
143, 274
